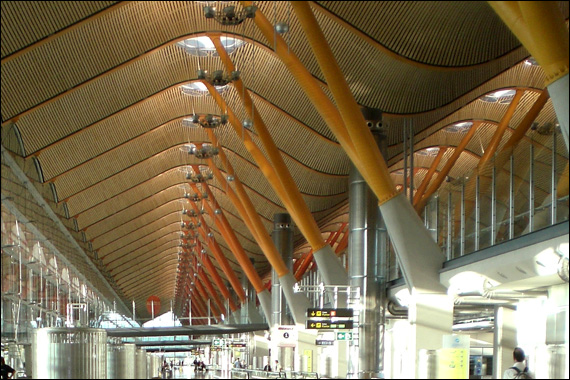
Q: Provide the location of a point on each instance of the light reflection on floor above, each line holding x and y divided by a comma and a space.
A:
188, 372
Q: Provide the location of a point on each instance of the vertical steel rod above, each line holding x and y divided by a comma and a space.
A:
462, 232
512, 198
553, 183
411, 162
436, 227
405, 159
449, 226
493, 204
477, 212
531, 190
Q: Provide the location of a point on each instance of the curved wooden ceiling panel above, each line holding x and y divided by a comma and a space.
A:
27, 22
94, 91
427, 32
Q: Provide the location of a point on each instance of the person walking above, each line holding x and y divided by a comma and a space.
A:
7, 371
519, 370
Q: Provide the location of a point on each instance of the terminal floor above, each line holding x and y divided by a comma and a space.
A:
187, 372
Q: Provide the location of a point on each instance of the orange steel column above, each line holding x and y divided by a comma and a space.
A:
206, 296
334, 273
500, 131
206, 282
322, 103
214, 247
308, 258
239, 253
358, 143
447, 167
231, 239
207, 263
302, 215
429, 175
297, 302
485, 163
343, 243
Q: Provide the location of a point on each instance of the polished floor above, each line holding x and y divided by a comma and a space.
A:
187, 372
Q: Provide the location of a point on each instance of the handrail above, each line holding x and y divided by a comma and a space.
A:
239, 373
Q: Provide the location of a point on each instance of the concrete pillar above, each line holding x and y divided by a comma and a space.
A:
366, 254
505, 340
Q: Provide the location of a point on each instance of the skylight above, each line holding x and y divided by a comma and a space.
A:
203, 46
459, 127
428, 151
500, 96
199, 89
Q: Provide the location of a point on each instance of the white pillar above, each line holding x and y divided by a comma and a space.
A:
431, 317
505, 340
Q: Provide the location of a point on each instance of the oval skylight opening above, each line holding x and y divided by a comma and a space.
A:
199, 89
429, 152
459, 127
203, 46
500, 96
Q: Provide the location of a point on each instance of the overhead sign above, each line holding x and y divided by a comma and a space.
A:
285, 336
153, 304
330, 313
217, 342
324, 342
319, 324
344, 335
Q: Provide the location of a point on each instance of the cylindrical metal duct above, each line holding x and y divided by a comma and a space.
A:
69, 353
140, 364
121, 361
427, 364
283, 238
152, 366
367, 242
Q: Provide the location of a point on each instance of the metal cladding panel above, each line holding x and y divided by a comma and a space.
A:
140, 364
121, 361
69, 353
153, 365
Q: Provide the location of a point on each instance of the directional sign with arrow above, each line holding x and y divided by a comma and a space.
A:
321, 324
330, 313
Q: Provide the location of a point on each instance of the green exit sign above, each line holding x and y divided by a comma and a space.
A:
217, 342
343, 336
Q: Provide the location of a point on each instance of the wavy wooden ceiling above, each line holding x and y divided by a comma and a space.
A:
93, 91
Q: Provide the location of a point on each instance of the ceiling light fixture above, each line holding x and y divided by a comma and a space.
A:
229, 15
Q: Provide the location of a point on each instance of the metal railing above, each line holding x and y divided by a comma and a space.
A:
237, 373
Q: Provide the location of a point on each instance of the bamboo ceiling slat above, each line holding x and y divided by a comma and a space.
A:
126, 233
134, 220
125, 262
139, 196
427, 31
133, 246
131, 177
97, 46
26, 22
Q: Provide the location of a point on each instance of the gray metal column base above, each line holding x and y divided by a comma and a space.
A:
298, 302
419, 257
235, 317
559, 94
330, 267
254, 316
265, 302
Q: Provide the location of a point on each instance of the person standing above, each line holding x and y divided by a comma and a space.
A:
519, 370
7, 371
277, 366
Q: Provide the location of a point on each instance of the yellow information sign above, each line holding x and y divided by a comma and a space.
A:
453, 363
309, 355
